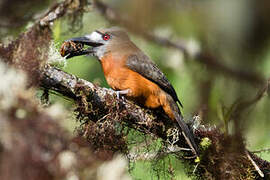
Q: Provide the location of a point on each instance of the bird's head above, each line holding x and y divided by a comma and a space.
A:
103, 41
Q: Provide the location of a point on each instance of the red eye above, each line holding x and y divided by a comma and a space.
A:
106, 37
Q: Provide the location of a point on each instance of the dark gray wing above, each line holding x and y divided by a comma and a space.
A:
141, 64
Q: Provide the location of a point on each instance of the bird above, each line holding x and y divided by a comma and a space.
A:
130, 72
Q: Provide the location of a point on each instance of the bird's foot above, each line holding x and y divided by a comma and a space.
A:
122, 92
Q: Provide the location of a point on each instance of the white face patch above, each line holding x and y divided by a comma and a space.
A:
100, 50
94, 36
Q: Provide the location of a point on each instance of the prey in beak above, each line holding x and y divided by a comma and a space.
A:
75, 47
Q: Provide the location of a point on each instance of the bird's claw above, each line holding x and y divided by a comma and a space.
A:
117, 94
122, 92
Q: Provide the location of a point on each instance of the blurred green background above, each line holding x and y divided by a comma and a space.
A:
237, 33
230, 29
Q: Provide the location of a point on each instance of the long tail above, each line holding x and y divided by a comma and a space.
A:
176, 113
187, 134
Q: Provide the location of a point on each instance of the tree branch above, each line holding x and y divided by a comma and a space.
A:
101, 102
104, 100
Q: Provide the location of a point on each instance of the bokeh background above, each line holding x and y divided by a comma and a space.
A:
236, 33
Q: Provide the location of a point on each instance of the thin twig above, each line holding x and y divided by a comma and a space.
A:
243, 105
59, 10
262, 150
254, 164
194, 170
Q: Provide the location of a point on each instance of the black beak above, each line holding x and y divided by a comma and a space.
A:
86, 41
74, 47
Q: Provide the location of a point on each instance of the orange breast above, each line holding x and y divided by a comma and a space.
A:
119, 77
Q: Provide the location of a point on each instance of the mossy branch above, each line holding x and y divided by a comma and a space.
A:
95, 103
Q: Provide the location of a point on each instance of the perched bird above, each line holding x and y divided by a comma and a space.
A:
130, 72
